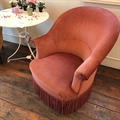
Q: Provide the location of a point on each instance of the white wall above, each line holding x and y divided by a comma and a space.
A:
57, 7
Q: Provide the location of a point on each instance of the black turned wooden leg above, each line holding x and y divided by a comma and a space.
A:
1, 61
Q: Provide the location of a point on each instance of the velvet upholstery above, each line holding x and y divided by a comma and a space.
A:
68, 56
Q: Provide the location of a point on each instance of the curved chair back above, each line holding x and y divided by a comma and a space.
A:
86, 27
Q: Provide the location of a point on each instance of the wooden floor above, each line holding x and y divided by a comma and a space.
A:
18, 100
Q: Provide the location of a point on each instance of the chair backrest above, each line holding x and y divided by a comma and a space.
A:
85, 31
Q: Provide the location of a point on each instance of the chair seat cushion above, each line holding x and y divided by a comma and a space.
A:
55, 74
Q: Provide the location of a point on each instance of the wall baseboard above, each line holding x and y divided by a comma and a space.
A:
111, 62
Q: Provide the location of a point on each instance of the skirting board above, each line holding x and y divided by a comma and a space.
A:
111, 62
108, 61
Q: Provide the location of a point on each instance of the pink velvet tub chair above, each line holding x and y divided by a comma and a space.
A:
68, 56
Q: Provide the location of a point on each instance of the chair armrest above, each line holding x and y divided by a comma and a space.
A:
44, 46
83, 72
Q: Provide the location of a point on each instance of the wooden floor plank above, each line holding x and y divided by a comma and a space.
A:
20, 82
108, 72
103, 88
99, 113
2, 118
17, 94
34, 104
102, 78
105, 101
15, 73
12, 112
